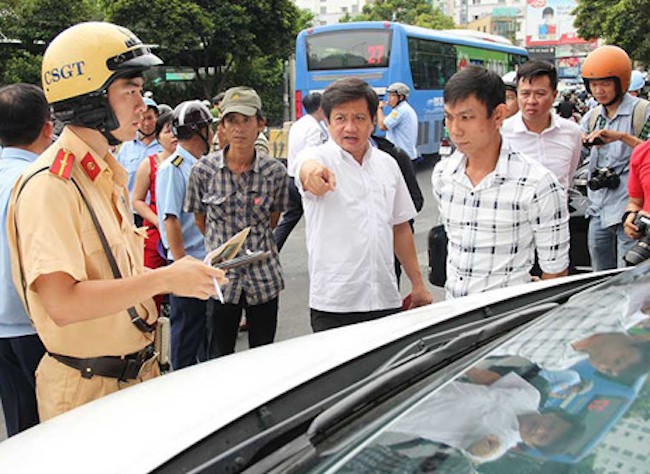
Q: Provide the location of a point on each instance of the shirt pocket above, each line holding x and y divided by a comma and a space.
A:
260, 206
97, 261
383, 194
216, 206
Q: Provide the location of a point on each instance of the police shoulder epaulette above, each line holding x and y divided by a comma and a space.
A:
177, 161
62, 164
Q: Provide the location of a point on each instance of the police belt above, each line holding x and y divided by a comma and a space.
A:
122, 368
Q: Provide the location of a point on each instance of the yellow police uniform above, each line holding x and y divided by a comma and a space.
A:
55, 233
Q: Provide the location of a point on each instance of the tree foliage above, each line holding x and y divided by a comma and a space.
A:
216, 38
411, 12
34, 23
226, 42
620, 22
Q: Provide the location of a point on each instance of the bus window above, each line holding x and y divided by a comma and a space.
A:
432, 63
348, 50
516, 61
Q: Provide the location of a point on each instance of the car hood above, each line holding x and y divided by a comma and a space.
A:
138, 429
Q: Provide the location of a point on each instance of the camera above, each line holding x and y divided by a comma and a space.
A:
604, 178
595, 141
641, 251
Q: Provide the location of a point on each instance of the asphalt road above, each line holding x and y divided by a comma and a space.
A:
293, 317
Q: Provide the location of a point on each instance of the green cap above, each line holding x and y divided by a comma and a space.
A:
243, 100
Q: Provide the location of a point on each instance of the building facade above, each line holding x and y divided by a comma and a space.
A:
327, 12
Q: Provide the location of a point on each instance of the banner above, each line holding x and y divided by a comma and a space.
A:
549, 22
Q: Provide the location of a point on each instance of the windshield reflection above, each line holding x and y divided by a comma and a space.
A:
562, 396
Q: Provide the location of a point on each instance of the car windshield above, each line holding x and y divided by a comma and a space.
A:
566, 394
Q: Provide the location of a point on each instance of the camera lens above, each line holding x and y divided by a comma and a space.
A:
595, 183
639, 253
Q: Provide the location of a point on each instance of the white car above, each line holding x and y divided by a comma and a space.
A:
258, 410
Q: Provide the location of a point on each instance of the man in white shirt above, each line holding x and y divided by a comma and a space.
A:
536, 131
462, 414
498, 206
357, 208
306, 132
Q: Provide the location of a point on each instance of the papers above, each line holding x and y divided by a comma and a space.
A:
226, 251
229, 249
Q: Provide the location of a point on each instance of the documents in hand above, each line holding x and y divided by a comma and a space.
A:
229, 249
224, 256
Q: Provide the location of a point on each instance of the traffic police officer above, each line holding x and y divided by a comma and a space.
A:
401, 124
76, 255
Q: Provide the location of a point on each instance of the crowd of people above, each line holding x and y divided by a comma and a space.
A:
111, 221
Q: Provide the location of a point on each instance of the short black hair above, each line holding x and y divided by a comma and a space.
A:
164, 119
535, 68
576, 429
311, 102
486, 86
346, 90
23, 113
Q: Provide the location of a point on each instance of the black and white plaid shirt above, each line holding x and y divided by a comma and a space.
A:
231, 204
495, 227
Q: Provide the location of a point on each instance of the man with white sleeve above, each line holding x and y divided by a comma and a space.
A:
357, 209
306, 132
539, 133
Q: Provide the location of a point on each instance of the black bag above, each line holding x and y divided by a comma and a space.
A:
438, 255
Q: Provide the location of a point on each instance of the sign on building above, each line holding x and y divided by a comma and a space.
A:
549, 22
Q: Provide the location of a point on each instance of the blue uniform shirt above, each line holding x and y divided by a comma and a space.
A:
14, 321
131, 155
609, 204
402, 125
171, 185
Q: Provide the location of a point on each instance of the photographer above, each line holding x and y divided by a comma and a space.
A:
611, 130
638, 206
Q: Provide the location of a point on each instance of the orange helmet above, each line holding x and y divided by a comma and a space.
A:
608, 62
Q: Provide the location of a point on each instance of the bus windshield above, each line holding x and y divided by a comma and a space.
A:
348, 50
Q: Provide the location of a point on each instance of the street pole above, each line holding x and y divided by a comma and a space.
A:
286, 106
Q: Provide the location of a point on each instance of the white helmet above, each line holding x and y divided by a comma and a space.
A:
399, 88
637, 81
510, 80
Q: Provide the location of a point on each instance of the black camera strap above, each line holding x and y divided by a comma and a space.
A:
600, 124
137, 321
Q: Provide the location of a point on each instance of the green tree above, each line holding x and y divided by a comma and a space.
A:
620, 22
411, 12
216, 38
34, 23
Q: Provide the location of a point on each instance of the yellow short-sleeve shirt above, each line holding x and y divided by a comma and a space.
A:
51, 230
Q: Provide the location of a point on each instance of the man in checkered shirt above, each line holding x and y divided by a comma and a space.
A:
497, 206
235, 188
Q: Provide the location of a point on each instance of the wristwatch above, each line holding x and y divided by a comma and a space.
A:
626, 214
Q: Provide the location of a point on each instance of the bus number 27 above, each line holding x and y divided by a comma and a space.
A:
375, 53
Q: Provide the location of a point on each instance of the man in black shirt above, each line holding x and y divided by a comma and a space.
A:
567, 107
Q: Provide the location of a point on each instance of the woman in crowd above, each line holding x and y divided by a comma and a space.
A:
145, 184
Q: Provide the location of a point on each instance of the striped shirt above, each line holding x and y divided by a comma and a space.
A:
495, 227
233, 203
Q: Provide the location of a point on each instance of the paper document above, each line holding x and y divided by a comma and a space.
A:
229, 249
226, 251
